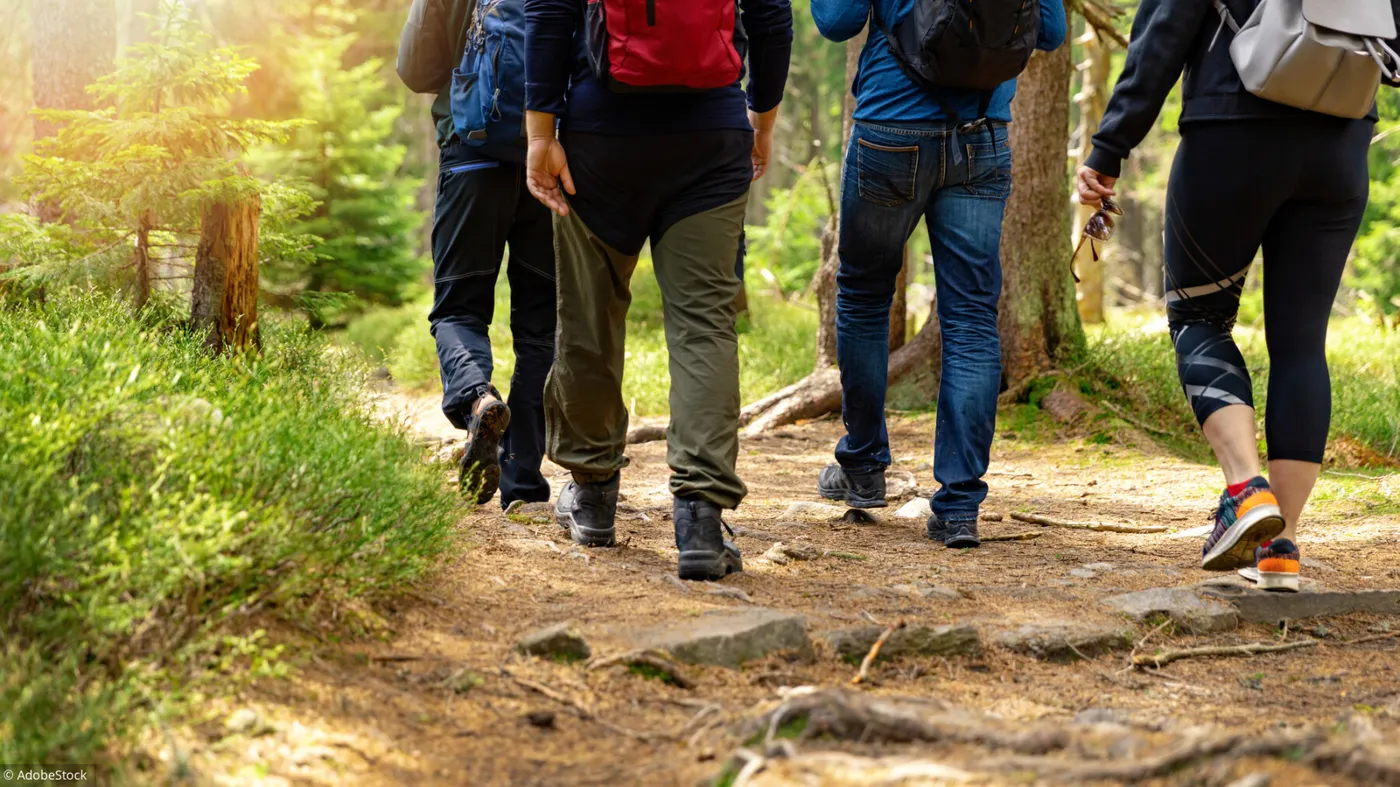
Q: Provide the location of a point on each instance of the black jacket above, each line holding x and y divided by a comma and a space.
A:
1170, 36
432, 45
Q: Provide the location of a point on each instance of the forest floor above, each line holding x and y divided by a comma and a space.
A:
441, 696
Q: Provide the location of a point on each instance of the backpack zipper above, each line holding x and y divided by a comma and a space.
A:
651, 13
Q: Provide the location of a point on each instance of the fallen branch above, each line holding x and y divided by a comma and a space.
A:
1027, 536
1251, 649
650, 658
1233, 747
647, 434
875, 652
1146, 427
1100, 527
577, 707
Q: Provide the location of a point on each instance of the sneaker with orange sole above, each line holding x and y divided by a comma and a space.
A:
1277, 566
1243, 523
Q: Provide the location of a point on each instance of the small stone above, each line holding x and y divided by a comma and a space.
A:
812, 511
726, 638
242, 722
530, 513
918, 508
1184, 606
560, 641
1065, 640
544, 719
853, 644
801, 551
927, 590
1321, 632
775, 554
900, 484
856, 516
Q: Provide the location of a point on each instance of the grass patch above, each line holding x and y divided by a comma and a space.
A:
1134, 366
154, 502
649, 672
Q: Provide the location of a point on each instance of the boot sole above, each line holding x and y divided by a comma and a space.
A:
854, 501
481, 466
1236, 548
703, 565
586, 536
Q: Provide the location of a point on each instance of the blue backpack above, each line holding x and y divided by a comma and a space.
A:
488, 89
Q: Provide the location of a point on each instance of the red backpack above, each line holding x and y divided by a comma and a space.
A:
665, 45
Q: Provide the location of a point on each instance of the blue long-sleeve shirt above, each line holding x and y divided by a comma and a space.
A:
559, 79
884, 93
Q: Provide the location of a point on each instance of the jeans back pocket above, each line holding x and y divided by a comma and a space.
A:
886, 174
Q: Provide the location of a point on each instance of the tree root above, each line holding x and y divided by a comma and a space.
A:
1232, 747
648, 658
1028, 536
1249, 649
649, 433
1099, 527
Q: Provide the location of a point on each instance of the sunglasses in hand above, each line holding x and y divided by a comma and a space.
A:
1098, 229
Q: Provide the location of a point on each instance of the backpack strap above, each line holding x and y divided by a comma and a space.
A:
1227, 19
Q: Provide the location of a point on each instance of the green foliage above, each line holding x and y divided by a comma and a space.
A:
151, 499
1374, 272
347, 159
786, 250
142, 168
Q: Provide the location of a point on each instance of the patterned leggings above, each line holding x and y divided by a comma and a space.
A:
1297, 188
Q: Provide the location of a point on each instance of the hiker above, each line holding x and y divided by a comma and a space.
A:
1278, 164
929, 141
656, 142
483, 207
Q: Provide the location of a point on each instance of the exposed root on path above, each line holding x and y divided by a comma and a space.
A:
653, 659
1248, 649
875, 652
1098, 527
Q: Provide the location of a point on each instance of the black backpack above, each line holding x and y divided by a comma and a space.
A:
968, 44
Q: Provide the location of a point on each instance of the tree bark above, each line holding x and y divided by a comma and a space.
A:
1092, 100
141, 264
74, 44
224, 304
1038, 321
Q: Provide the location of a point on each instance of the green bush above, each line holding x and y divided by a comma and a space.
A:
154, 503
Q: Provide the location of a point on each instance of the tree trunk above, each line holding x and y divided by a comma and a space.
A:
74, 44
899, 310
1039, 321
1092, 99
141, 264
224, 304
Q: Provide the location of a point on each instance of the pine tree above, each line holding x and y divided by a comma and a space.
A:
136, 174
346, 158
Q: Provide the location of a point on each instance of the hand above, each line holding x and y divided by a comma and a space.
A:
1092, 186
762, 140
546, 167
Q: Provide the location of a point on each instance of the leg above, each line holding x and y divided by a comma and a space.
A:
694, 261
888, 178
1305, 253
532, 325
469, 234
585, 417
964, 224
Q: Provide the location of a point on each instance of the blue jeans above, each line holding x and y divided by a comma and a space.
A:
959, 182
483, 207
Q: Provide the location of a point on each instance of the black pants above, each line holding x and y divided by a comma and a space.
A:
1296, 188
483, 206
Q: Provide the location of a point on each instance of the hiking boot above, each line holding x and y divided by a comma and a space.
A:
588, 512
1276, 566
856, 490
705, 553
954, 533
1243, 523
481, 461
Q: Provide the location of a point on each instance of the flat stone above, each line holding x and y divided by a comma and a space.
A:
927, 590
855, 643
560, 641
1184, 606
727, 638
1258, 606
1065, 640
812, 511
918, 508
801, 551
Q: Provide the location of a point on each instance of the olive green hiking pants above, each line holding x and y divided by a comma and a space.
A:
585, 416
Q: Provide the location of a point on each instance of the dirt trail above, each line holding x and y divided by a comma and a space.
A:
443, 698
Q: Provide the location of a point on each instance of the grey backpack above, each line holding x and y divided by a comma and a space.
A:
1326, 56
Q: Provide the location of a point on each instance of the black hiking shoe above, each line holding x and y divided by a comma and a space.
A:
705, 553
588, 512
954, 533
856, 490
481, 462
